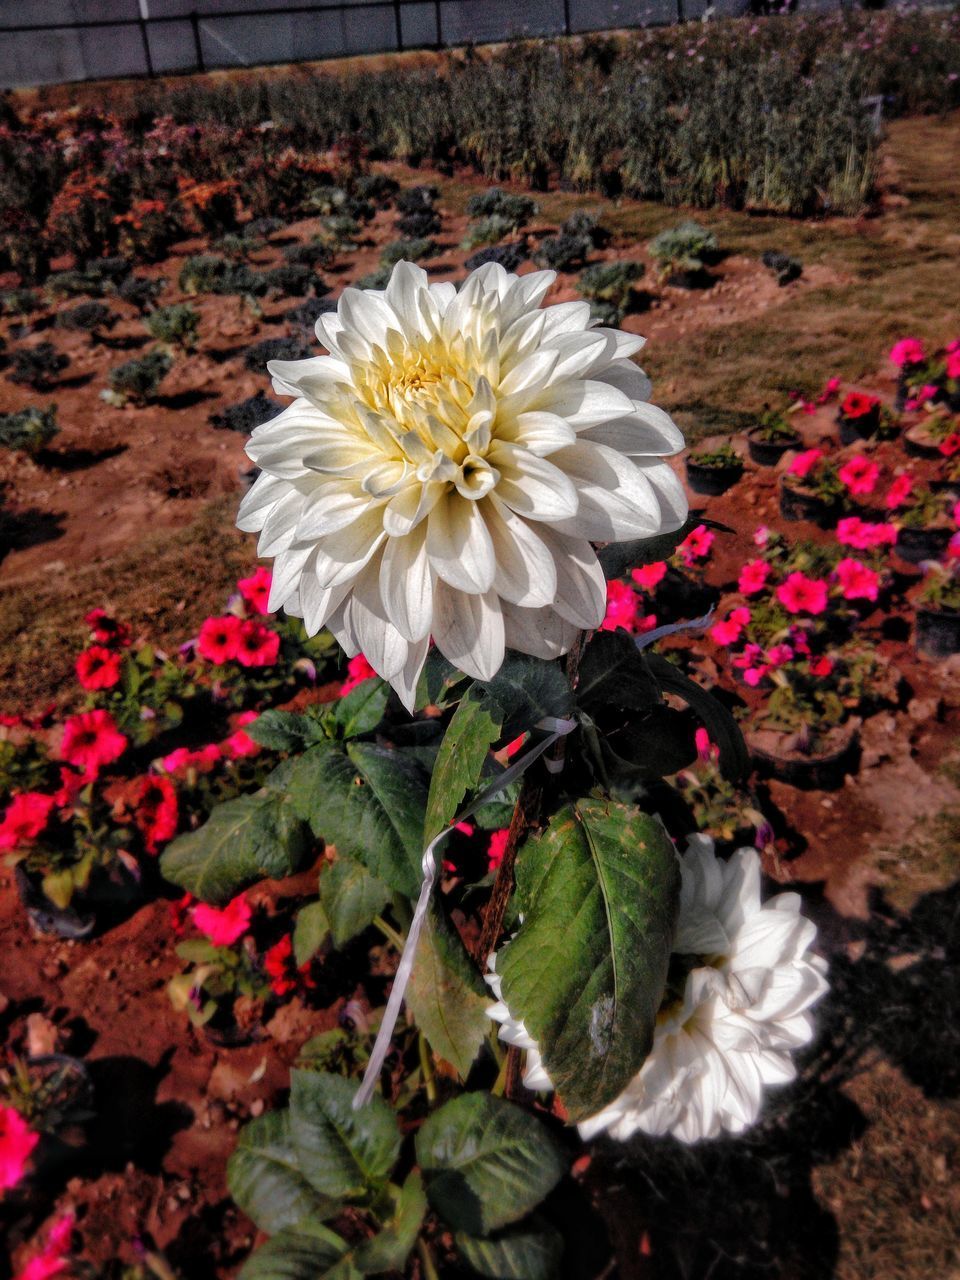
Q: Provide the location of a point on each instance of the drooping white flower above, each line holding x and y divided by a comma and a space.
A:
445, 469
744, 1008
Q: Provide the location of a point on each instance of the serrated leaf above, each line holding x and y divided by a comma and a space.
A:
265, 1180
310, 932
390, 1248
369, 802
613, 673
243, 840
473, 729
351, 897
599, 889
717, 720
528, 1251
343, 1153
527, 689
283, 730
308, 1251
486, 1162
438, 681
446, 994
362, 709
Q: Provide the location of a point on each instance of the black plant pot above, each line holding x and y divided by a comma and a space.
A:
918, 445
797, 505
767, 453
853, 430
938, 632
810, 773
917, 545
712, 481
108, 898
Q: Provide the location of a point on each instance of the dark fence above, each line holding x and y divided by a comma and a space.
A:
159, 37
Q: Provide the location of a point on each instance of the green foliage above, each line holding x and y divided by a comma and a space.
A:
487, 231
486, 1163
350, 897
255, 358
528, 1251
341, 1152
610, 287
243, 840
407, 250
687, 247
38, 367
565, 252
941, 590
599, 891
446, 994
515, 210
137, 380
175, 327
775, 427
723, 458
30, 429
88, 317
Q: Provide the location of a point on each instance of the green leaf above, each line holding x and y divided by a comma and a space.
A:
243, 840
284, 730
362, 709
717, 720
310, 932
586, 971
438, 681
486, 1162
650, 746
466, 745
613, 673
527, 689
528, 1251
446, 994
351, 897
389, 1250
369, 802
618, 558
343, 1153
307, 1251
265, 1180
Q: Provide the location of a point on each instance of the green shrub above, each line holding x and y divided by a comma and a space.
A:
294, 280
409, 250
688, 248
508, 256
247, 414
137, 381
140, 291
30, 429
314, 253
88, 317
176, 326
38, 366
417, 199
415, 226
564, 252
378, 279
342, 231
255, 358
73, 284
516, 211
19, 302
587, 226
203, 273
610, 288
376, 187
487, 231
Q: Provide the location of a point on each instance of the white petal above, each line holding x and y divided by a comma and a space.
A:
539, 632
581, 586
459, 545
525, 571
647, 432
406, 584
616, 502
265, 492
468, 630
531, 485
585, 403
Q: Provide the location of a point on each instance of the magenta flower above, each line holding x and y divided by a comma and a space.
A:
800, 594
906, 352
753, 577
17, 1141
223, 926
860, 474
857, 580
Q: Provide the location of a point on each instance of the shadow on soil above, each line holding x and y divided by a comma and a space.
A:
745, 1208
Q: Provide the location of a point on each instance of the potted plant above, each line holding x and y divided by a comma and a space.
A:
771, 438
938, 613
923, 439
682, 254
714, 471
804, 735
858, 417
812, 489
924, 526
53, 1093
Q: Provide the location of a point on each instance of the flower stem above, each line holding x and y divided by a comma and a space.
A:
389, 932
426, 1066
526, 816
426, 1260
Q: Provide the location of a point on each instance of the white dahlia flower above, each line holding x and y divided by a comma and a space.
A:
743, 1008
445, 469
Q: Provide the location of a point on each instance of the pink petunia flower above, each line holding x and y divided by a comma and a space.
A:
218, 639
696, 545
649, 575
857, 580
17, 1141
52, 1260
622, 607
358, 670
804, 463
91, 739
256, 589
863, 535
25, 818
800, 594
753, 577
860, 474
906, 352
223, 925
497, 848
899, 492
761, 536
98, 667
